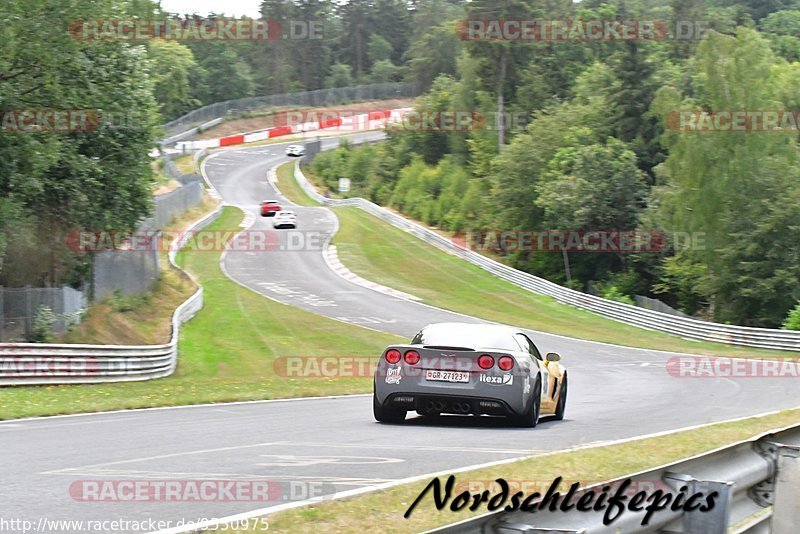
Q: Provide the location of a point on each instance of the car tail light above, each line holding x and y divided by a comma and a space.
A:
485, 361
505, 363
392, 356
412, 357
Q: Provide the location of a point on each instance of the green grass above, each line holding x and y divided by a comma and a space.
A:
384, 254
587, 466
226, 352
185, 164
290, 188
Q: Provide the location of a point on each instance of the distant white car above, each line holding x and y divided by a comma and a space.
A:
284, 219
295, 150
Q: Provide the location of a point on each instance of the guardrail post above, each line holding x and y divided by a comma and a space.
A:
524, 528
714, 521
785, 508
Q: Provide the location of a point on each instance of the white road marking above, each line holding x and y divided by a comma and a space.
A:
367, 320
191, 475
160, 457
295, 293
292, 460
406, 446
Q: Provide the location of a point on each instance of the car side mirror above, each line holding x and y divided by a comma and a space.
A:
553, 357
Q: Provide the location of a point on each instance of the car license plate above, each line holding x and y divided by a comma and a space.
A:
446, 376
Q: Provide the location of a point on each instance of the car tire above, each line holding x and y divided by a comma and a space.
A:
386, 414
561, 407
531, 416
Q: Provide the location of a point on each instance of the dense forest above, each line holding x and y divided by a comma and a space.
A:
589, 147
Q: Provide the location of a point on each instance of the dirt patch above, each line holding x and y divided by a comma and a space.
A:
250, 124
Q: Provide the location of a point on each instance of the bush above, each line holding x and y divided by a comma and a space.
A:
612, 293
793, 319
42, 331
122, 303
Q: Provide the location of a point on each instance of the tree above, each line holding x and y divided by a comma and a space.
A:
782, 28
173, 69
341, 76
229, 76
95, 178
738, 189
274, 59
630, 102
434, 53
378, 48
597, 188
793, 319
385, 71
500, 59
594, 187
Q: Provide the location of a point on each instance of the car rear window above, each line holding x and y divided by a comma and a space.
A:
467, 336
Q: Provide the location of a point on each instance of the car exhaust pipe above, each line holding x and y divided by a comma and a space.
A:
461, 408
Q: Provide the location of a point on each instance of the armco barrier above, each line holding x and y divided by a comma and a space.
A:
50, 363
185, 126
361, 122
763, 338
758, 483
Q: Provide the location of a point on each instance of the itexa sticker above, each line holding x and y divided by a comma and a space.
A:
393, 375
506, 380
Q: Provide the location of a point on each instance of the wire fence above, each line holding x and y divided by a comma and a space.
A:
320, 97
19, 307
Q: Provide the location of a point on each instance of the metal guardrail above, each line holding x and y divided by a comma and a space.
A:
192, 131
185, 125
51, 363
694, 329
758, 481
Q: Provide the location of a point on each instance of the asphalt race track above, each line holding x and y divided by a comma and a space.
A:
320, 446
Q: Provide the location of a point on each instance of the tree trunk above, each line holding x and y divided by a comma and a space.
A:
501, 79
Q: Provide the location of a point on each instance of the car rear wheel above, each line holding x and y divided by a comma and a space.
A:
561, 407
531, 416
386, 414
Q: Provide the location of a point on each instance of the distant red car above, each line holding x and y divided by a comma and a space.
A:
269, 208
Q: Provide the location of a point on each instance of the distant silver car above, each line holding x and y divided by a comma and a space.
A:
463, 368
295, 150
284, 219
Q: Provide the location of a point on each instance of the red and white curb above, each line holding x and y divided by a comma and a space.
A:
373, 120
332, 259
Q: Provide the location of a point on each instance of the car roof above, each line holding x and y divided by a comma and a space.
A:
269, 201
285, 212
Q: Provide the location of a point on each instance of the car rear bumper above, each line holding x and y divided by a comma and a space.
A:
425, 403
